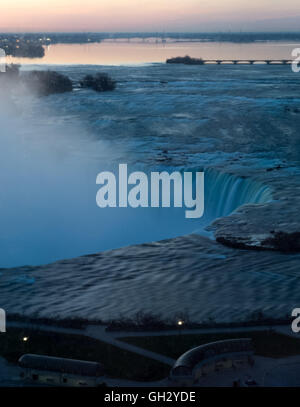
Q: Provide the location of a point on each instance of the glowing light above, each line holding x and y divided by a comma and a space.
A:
138, 15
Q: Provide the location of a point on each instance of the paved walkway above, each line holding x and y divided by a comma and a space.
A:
265, 371
96, 332
113, 338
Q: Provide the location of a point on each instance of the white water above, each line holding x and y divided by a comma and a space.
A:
202, 121
48, 206
48, 172
225, 193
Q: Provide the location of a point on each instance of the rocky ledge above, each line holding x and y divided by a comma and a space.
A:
273, 225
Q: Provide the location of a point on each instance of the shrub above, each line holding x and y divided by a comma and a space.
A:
28, 51
45, 83
101, 82
187, 60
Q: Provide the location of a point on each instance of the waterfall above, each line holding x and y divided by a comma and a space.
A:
224, 193
71, 224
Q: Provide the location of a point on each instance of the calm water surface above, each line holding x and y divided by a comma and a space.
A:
122, 53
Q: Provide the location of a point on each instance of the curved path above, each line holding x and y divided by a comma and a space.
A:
113, 338
96, 332
99, 332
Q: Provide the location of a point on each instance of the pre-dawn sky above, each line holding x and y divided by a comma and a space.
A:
149, 15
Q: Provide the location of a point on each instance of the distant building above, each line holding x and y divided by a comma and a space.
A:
211, 357
48, 370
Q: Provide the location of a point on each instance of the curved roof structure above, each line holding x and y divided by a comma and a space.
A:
190, 359
61, 365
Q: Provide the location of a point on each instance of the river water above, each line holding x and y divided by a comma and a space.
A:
238, 123
119, 53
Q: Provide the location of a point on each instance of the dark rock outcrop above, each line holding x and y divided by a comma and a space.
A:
284, 242
280, 241
101, 82
44, 83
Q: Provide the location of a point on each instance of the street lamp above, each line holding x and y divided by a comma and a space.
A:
180, 324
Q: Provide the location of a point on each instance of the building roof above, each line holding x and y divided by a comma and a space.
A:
61, 365
187, 361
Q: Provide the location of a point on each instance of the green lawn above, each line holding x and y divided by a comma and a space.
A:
266, 343
118, 363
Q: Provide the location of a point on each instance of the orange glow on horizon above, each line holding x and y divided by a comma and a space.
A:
145, 15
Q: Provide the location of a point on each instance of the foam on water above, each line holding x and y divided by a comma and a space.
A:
225, 193
48, 167
48, 207
48, 175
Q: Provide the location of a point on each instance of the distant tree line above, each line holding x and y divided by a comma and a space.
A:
187, 60
92, 37
22, 49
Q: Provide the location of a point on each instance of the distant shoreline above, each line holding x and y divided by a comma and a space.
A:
48, 38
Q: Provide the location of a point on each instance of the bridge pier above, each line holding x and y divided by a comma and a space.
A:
244, 61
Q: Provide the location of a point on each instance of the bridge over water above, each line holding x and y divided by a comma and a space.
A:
248, 61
